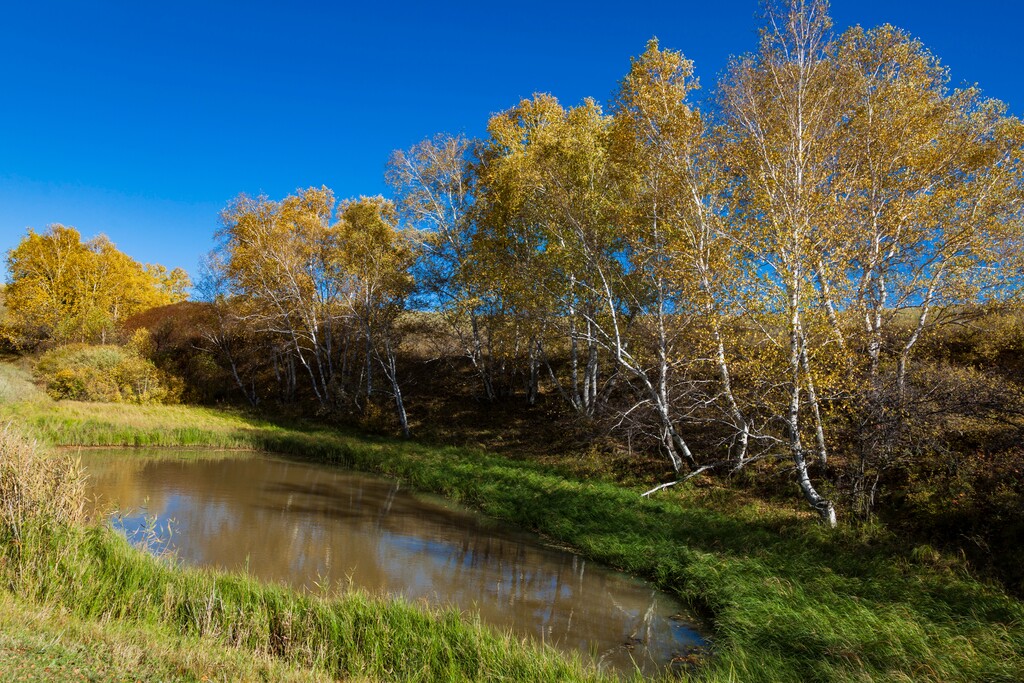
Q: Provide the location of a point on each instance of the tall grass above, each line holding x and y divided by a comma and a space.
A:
37, 493
351, 635
41, 642
35, 487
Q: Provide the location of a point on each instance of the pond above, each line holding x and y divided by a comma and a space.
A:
312, 526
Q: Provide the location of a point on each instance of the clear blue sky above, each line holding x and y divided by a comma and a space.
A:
141, 120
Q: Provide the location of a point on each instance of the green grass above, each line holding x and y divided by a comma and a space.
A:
786, 599
79, 423
97, 577
44, 643
74, 423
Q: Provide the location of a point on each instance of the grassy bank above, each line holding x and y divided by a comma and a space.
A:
98, 577
787, 600
50, 559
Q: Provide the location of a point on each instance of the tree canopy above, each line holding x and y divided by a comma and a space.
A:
62, 289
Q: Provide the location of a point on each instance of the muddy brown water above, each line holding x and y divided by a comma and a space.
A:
312, 526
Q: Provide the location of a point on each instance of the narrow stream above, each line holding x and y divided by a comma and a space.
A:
309, 525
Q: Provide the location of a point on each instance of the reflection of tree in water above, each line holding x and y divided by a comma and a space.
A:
308, 525
120, 484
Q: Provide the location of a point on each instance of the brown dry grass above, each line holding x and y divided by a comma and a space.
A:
35, 485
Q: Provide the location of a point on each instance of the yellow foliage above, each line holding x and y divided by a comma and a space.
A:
63, 289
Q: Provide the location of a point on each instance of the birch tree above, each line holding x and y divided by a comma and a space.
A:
929, 192
781, 111
435, 190
373, 265
280, 259
673, 208
929, 186
547, 188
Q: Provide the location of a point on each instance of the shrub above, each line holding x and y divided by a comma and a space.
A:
105, 373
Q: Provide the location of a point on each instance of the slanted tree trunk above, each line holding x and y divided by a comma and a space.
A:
821, 505
369, 362
479, 360
532, 387
389, 364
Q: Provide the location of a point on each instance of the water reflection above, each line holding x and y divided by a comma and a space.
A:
307, 525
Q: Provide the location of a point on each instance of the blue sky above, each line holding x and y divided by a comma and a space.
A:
141, 120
